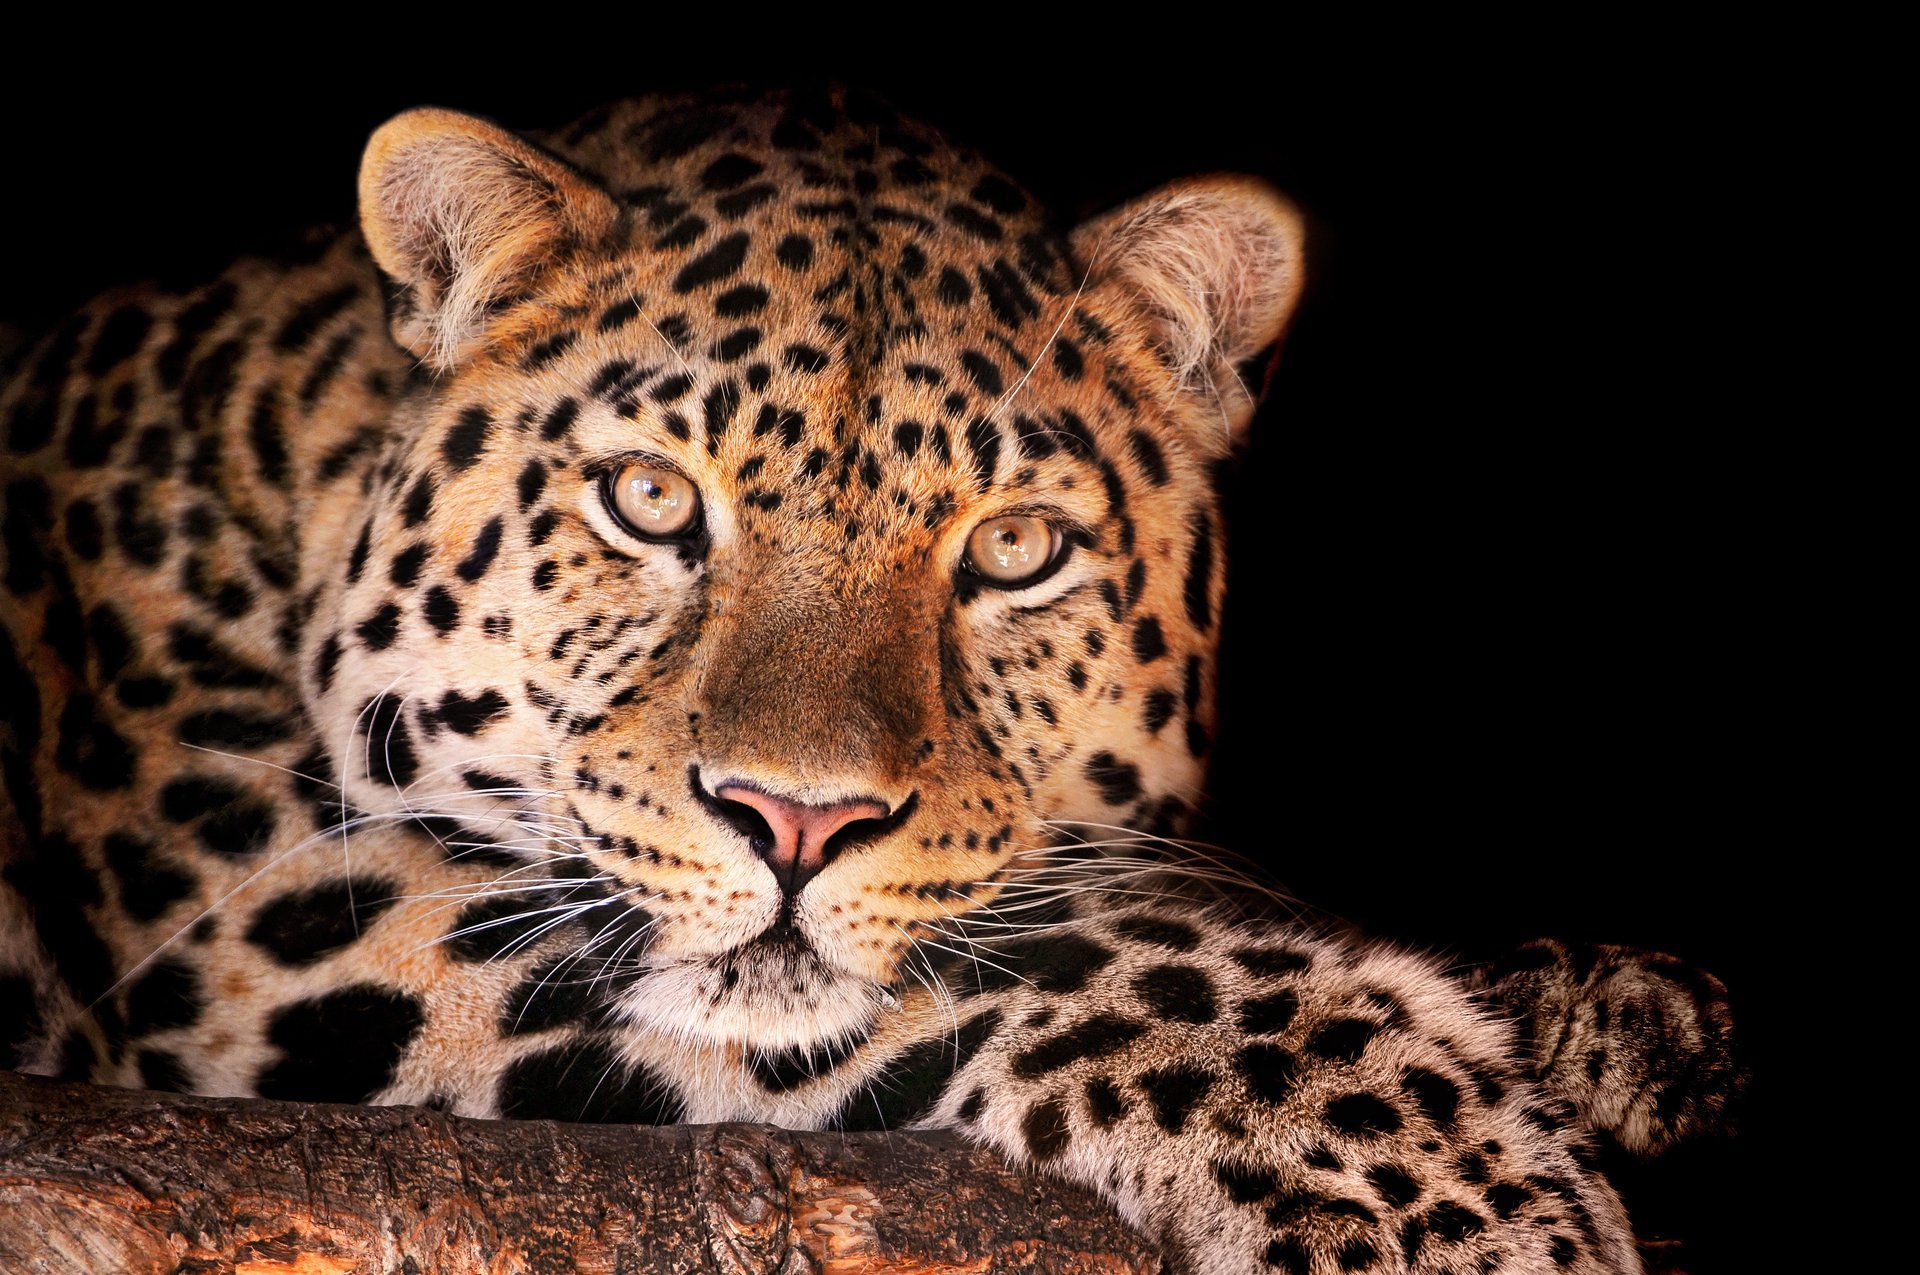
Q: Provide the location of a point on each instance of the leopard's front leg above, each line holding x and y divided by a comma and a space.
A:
1257, 1099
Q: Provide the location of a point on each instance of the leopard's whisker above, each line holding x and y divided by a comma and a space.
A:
1223, 887
563, 911
578, 954
622, 959
1055, 893
671, 347
461, 763
353, 727
937, 990
970, 956
1066, 312
968, 939
549, 834
1187, 860
257, 761
558, 914
943, 996
246, 882
1026, 928
469, 892
610, 929
1185, 843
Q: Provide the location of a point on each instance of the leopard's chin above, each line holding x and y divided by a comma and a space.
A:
774, 991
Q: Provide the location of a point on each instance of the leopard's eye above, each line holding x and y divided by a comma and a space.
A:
653, 502
1011, 551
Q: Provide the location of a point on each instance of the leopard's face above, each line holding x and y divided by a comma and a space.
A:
785, 584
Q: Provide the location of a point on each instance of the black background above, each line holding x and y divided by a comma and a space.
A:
1493, 669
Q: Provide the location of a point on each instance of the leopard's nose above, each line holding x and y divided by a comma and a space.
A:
796, 839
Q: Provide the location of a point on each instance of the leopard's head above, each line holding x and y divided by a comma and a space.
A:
788, 531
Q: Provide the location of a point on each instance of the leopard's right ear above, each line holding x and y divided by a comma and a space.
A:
459, 213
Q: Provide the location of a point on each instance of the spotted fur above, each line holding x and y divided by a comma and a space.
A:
357, 752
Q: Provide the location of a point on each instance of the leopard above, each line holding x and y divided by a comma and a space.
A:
711, 613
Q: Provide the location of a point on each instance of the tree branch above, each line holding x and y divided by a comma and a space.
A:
95, 1179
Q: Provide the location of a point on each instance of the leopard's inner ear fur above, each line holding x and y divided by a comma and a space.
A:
460, 214
1210, 270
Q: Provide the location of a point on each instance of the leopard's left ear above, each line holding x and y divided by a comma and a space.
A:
460, 213
1211, 266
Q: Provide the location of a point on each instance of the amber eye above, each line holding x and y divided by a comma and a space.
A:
652, 501
1011, 551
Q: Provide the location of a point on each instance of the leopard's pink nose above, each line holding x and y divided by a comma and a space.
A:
798, 840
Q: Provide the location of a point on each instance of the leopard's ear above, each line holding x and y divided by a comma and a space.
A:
459, 213
1210, 268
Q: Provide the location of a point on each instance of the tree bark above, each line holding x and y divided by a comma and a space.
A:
105, 1181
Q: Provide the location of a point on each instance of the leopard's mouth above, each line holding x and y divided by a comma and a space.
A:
780, 947
774, 990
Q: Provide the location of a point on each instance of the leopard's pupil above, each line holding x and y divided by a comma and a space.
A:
1011, 549
653, 501
1012, 553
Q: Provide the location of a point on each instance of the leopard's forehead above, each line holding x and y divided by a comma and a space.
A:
809, 238
705, 170
868, 331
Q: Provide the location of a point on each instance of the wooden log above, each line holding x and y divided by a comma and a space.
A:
105, 1181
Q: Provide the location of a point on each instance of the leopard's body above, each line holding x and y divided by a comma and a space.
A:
358, 751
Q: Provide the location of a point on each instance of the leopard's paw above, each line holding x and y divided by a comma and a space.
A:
1641, 1043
